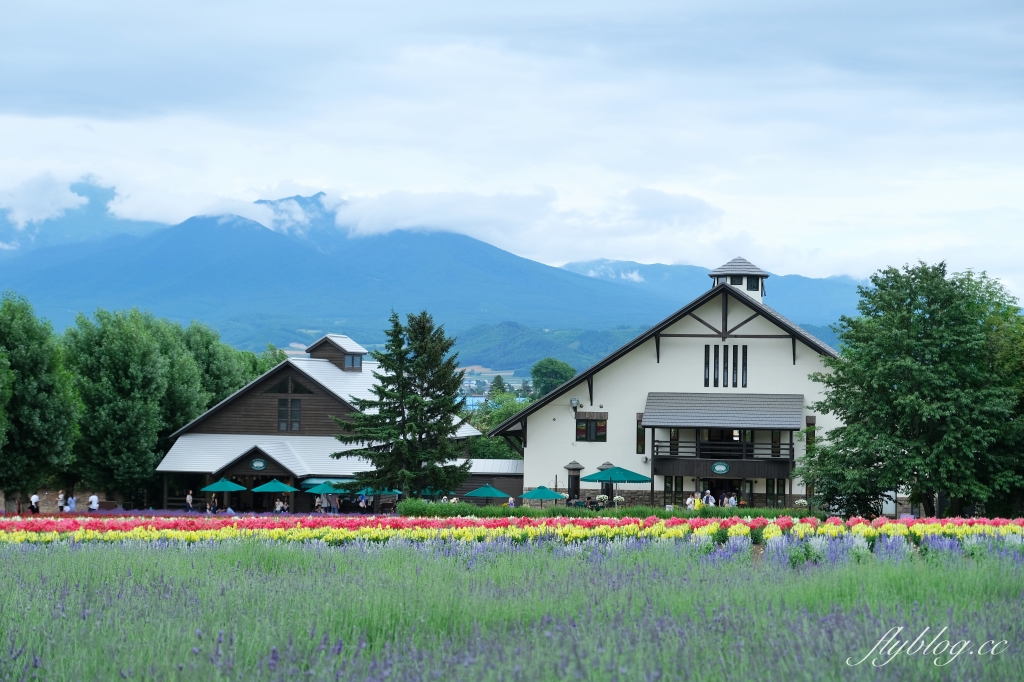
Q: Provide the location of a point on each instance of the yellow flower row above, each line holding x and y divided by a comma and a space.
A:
566, 533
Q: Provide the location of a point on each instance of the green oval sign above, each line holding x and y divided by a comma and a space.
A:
258, 464
720, 468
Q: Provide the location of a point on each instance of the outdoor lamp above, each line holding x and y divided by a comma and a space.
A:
574, 402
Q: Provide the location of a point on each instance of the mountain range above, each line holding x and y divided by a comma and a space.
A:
290, 285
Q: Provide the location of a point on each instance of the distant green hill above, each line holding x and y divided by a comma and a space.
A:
510, 345
290, 286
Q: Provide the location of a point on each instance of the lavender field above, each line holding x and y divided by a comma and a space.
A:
802, 610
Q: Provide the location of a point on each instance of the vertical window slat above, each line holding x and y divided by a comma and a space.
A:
735, 362
744, 366
707, 366
725, 366
716, 365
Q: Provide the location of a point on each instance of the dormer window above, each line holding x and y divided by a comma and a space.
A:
736, 280
354, 362
753, 283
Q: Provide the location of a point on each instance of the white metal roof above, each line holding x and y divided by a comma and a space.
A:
302, 455
495, 467
343, 342
345, 385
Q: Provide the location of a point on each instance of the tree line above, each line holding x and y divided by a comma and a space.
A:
95, 406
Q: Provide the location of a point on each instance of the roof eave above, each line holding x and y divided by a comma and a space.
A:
184, 429
645, 337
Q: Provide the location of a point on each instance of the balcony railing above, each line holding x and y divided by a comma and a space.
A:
722, 449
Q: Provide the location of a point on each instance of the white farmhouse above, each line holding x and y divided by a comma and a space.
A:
713, 397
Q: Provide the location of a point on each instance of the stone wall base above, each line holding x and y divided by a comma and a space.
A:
47, 501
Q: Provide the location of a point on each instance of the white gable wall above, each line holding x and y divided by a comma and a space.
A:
621, 390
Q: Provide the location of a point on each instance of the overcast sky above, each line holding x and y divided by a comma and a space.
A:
810, 137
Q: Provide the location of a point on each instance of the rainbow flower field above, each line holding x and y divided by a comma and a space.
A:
334, 530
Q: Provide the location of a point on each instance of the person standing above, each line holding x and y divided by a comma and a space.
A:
94, 502
335, 507
188, 502
72, 503
33, 503
60, 501
511, 503
213, 505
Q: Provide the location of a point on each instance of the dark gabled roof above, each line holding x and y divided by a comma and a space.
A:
774, 411
738, 266
810, 341
300, 364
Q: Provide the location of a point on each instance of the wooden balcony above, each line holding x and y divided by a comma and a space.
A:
723, 450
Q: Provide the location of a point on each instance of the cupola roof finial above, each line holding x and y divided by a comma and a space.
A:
738, 266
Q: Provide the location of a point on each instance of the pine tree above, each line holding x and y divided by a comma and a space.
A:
406, 430
498, 386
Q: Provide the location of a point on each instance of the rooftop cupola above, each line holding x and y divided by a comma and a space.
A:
340, 350
739, 273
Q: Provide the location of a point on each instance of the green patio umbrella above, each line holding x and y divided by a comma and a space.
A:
324, 489
542, 492
275, 486
223, 486
487, 491
616, 475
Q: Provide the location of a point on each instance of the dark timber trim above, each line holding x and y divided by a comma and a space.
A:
658, 329
245, 389
731, 336
794, 350
756, 314
514, 442
725, 314
657, 347
590, 387
711, 327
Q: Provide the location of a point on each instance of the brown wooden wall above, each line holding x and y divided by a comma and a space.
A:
330, 352
255, 411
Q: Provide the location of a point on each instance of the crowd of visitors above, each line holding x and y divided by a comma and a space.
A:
65, 503
696, 500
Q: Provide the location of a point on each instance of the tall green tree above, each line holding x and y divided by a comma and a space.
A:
43, 407
6, 382
917, 390
548, 374
185, 397
258, 364
122, 376
496, 409
406, 429
223, 369
498, 386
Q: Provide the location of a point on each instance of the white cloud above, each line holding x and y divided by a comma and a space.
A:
810, 137
38, 199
